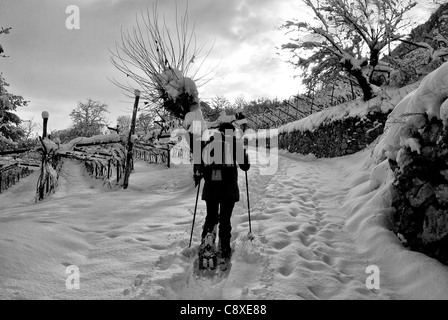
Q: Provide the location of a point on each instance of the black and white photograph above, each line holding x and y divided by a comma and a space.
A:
224, 155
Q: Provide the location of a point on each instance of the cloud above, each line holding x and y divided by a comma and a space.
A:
55, 67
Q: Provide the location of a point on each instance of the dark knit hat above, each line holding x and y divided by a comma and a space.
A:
226, 126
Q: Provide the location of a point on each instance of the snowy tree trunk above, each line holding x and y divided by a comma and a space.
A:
363, 82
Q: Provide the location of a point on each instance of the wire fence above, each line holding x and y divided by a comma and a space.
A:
181, 152
105, 169
296, 108
12, 174
153, 154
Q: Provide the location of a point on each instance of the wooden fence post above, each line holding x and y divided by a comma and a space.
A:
118, 171
129, 161
169, 157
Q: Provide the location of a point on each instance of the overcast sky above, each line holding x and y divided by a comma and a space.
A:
54, 67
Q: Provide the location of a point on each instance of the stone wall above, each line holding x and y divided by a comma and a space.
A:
421, 192
341, 137
347, 133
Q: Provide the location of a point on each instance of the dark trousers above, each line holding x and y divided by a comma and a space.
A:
219, 211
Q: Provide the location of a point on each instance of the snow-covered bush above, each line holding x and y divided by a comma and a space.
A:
415, 144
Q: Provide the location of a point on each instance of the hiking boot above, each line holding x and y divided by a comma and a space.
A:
224, 250
225, 254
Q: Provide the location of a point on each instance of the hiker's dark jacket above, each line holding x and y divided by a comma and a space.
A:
221, 177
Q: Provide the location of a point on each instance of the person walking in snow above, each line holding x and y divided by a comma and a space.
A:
221, 156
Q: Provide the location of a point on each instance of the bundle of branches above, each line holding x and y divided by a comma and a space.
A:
163, 64
179, 106
176, 93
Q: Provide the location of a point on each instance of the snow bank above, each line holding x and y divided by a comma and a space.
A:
413, 275
417, 275
430, 99
94, 139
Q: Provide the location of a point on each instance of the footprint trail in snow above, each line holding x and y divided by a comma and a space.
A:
301, 248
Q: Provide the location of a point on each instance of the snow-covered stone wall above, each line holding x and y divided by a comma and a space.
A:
340, 130
415, 145
338, 138
421, 191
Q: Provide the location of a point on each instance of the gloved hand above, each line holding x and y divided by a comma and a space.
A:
197, 174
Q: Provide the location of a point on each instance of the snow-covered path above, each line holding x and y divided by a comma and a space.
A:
83, 224
21, 194
310, 253
308, 220
301, 251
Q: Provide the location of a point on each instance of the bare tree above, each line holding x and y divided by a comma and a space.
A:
165, 64
240, 102
124, 122
221, 103
89, 118
144, 123
30, 128
347, 38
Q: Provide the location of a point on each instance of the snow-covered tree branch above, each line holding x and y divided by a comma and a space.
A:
10, 130
424, 50
3, 31
347, 37
162, 63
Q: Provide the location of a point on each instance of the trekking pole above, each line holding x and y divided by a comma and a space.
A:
251, 237
194, 215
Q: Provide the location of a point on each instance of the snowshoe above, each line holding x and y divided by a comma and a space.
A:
208, 259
